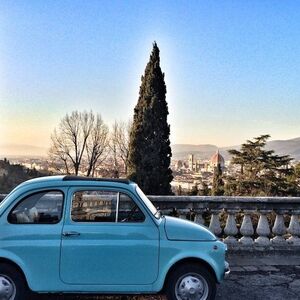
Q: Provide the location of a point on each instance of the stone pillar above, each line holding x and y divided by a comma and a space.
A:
247, 229
231, 229
199, 218
294, 228
214, 225
279, 229
263, 229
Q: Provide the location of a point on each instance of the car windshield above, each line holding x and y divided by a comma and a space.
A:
149, 204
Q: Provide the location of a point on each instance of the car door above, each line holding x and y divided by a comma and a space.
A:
33, 234
108, 239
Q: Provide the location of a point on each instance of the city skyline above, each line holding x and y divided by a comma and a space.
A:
231, 68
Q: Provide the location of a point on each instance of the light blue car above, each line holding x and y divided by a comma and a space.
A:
67, 234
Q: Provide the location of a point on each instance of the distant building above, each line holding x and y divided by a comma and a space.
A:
216, 159
191, 162
179, 165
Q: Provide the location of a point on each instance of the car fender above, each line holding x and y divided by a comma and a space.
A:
207, 257
11, 257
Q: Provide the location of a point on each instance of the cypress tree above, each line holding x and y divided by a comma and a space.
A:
218, 183
149, 146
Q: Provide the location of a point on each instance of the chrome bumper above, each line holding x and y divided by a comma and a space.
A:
227, 270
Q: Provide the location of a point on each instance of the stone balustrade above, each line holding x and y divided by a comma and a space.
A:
241, 222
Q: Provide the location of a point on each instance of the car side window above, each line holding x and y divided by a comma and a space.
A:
38, 208
104, 206
128, 211
94, 206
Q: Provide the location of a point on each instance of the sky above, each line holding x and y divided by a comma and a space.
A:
231, 67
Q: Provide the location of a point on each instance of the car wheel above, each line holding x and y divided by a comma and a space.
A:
12, 284
191, 282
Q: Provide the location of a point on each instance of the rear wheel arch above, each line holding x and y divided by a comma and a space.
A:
13, 281
14, 265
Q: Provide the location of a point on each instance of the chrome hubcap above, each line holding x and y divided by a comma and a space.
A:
7, 288
191, 287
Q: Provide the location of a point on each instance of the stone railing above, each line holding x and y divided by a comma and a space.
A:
241, 222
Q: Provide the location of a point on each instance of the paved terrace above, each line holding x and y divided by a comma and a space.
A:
248, 282
263, 241
269, 275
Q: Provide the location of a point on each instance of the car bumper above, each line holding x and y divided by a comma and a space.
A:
227, 270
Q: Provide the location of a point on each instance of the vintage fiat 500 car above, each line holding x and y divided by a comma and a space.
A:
66, 234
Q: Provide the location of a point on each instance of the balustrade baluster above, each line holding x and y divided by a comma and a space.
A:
182, 215
199, 218
247, 229
214, 225
279, 229
231, 229
294, 228
263, 229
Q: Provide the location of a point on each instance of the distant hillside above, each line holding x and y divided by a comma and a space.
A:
15, 174
11, 150
180, 151
283, 147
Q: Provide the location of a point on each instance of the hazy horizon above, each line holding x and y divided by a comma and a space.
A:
231, 68
19, 150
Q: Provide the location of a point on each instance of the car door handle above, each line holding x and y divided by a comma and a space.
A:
71, 233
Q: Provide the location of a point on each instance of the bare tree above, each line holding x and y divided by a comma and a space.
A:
78, 142
59, 158
114, 150
120, 143
97, 145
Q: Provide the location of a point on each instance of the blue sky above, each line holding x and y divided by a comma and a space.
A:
231, 67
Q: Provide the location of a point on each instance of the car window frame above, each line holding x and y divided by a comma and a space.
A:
85, 222
110, 189
31, 193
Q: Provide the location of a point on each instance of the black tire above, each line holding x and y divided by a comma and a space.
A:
13, 275
195, 270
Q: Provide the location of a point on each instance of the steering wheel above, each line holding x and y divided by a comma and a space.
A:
130, 214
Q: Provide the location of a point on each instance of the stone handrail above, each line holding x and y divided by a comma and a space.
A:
242, 222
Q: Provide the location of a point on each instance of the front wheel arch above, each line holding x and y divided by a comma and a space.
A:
190, 280
191, 260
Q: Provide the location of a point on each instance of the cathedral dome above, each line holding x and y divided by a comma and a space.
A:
216, 159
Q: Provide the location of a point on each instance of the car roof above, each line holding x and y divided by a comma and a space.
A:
82, 178
63, 180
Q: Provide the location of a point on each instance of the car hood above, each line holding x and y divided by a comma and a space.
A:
184, 230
